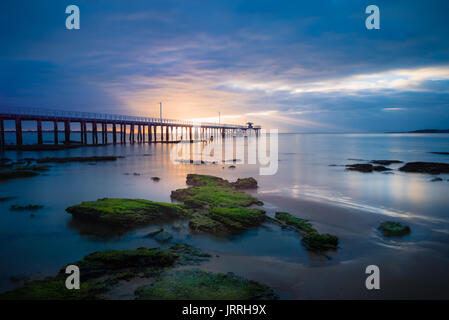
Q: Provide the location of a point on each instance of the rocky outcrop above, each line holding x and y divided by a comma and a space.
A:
425, 167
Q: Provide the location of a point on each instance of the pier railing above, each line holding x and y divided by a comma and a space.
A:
92, 116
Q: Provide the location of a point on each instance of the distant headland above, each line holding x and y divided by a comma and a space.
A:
423, 131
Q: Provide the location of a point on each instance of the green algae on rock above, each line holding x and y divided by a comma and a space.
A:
311, 238
53, 288
127, 212
320, 242
225, 220
98, 264
200, 180
201, 285
245, 183
299, 223
394, 229
199, 197
100, 271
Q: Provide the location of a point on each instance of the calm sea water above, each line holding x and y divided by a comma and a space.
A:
39, 246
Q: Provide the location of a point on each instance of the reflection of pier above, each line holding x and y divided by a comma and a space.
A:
139, 129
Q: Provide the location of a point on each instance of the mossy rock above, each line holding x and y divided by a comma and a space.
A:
238, 219
127, 213
226, 220
101, 263
245, 183
203, 223
200, 180
298, 223
311, 238
320, 242
201, 285
53, 288
199, 197
394, 229
101, 270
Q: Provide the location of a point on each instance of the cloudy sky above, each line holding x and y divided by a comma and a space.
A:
301, 66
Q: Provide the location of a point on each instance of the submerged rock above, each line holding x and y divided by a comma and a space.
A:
4, 199
14, 174
310, 236
436, 179
425, 167
155, 179
127, 212
163, 237
394, 229
154, 232
365, 167
29, 207
385, 162
200, 285
441, 153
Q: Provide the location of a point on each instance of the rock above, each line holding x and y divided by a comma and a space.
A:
99, 270
136, 174
201, 285
425, 167
320, 242
155, 179
385, 162
441, 153
102, 270
200, 180
163, 237
436, 179
245, 183
29, 207
201, 197
127, 213
176, 226
154, 232
231, 167
394, 229
14, 174
365, 167
298, 223
310, 237
226, 220
4, 199
19, 278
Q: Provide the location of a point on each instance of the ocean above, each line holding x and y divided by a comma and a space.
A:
310, 182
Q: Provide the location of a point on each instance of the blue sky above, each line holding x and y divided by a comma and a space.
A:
301, 66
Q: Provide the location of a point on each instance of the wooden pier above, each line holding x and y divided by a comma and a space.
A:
139, 129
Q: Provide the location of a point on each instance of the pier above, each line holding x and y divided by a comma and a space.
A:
139, 129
